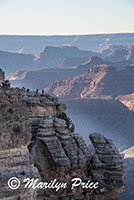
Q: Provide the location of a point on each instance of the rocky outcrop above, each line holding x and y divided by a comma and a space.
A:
2, 75
15, 133
57, 152
60, 154
107, 163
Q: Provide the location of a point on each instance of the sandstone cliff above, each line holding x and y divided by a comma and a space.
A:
41, 78
127, 100
98, 81
34, 79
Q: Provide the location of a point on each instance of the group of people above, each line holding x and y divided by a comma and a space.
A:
37, 90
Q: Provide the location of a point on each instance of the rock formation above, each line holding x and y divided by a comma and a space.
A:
42, 78
59, 153
2, 75
55, 150
15, 136
52, 57
127, 100
129, 180
100, 80
130, 55
118, 53
73, 62
13, 61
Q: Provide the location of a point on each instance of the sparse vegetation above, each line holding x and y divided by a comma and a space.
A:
69, 122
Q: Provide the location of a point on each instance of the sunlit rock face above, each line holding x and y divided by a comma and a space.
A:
100, 80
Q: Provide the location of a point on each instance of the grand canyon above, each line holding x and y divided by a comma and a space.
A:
53, 87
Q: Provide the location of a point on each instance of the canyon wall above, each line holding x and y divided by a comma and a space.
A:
104, 115
100, 80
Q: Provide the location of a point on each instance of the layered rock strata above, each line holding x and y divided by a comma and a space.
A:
15, 136
55, 150
60, 154
100, 80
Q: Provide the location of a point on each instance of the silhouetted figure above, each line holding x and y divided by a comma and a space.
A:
42, 91
28, 90
37, 91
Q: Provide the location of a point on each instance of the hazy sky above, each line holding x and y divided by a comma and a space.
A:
51, 17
